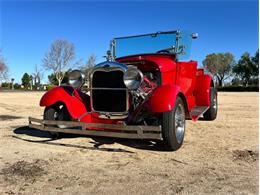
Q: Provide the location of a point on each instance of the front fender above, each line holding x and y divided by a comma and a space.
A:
67, 95
163, 98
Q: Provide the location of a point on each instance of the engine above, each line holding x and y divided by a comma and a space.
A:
144, 91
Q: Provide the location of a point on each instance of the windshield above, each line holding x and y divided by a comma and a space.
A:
173, 42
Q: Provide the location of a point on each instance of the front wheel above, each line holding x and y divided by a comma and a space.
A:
51, 113
56, 113
173, 126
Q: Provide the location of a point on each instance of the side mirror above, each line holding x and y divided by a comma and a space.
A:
194, 35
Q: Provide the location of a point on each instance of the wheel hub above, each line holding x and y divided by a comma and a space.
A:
179, 123
215, 103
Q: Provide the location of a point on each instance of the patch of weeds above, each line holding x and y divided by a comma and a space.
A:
246, 155
22, 170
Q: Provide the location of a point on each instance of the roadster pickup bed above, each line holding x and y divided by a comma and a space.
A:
146, 89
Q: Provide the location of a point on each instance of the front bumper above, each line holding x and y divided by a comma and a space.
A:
98, 129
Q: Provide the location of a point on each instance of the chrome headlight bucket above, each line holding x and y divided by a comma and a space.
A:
133, 78
76, 78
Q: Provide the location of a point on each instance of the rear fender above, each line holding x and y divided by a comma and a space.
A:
202, 90
163, 98
67, 95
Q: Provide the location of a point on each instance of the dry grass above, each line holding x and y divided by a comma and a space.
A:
219, 157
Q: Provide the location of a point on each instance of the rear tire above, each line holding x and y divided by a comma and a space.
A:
211, 113
173, 126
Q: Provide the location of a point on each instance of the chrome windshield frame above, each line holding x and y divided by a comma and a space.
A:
113, 41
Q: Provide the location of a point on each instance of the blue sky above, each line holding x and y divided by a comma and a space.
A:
28, 28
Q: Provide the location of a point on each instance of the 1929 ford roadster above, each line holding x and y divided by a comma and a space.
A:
145, 90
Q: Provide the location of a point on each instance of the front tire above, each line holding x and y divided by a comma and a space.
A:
51, 113
173, 126
56, 113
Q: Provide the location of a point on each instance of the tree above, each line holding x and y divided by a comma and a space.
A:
59, 58
247, 68
53, 80
3, 68
12, 83
26, 80
91, 62
219, 65
37, 76
17, 86
6, 85
31, 82
255, 60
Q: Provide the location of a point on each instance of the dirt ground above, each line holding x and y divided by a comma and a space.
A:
219, 157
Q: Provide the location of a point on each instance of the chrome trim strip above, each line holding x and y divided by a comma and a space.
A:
113, 116
151, 34
107, 65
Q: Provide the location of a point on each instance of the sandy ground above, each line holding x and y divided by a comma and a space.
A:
219, 157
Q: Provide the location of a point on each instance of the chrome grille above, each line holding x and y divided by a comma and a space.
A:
108, 93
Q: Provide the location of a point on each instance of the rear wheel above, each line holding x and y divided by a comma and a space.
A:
173, 126
211, 113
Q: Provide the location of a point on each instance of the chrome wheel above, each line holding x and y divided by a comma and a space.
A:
55, 115
179, 123
215, 103
173, 126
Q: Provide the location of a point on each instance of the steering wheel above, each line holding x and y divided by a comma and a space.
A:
164, 51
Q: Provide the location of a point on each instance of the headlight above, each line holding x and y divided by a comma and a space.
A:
133, 78
76, 78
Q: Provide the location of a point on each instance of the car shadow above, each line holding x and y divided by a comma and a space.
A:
26, 130
97, 142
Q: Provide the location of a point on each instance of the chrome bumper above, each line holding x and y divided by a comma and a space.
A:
104, 130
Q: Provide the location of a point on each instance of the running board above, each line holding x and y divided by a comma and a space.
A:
197, 112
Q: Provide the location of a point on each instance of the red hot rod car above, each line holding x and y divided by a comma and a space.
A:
145, 90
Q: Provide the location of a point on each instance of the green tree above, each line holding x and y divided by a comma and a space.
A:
17, 86
5, 85
247, 68
53, 80
255, 61
26, 80
219, 65
256, 57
